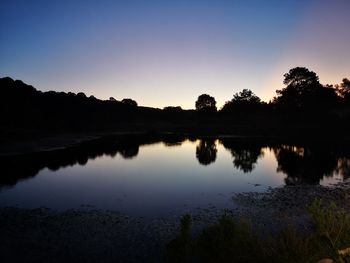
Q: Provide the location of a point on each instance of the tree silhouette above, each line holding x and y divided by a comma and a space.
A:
304, 92
81, 95
301, 77
175, 113
244, 101
343, 89
206, 103
129, 102
246, 95
172, 108
206, 151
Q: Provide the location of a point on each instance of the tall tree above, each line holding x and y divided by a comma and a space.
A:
304, 92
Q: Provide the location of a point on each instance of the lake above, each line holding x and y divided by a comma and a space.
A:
164, 176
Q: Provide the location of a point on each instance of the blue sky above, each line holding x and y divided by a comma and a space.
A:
164, 53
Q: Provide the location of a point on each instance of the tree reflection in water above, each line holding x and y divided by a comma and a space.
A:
206, 151
302, 164
246, 158
305, 165
245, 155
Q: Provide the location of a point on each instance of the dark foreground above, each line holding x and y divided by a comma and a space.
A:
86, 235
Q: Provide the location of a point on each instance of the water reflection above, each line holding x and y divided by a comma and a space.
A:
245, 155
305, 165
206, 151
14, 169
299, 163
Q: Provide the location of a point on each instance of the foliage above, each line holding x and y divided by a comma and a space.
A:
247, 96
304, 92
129, 102
244, 101
178, 250
333, 227
232, 240
228, 241
302, 103
343, 90
24, 107
172, 108
300, 77
206, 103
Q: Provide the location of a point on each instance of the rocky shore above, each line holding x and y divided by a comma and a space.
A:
86, 235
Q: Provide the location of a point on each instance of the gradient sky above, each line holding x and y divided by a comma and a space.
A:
164, 53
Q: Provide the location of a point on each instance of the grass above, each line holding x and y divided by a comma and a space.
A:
234, 240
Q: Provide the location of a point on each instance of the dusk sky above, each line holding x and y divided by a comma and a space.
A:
167, 53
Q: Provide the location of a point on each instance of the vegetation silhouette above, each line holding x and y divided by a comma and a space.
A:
304, 93
206, 106
305, 107
206, 102
343, 90
243, 102
130, 102
206, 151
237, 239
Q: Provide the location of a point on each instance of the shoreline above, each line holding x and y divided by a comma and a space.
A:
48, 143
108, 236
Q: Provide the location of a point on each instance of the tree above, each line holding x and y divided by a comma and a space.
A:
246, 95
129, 102
244, 101
300, 77
206, 103
112, 99
81, 95
304, 92
343, 89
172, 108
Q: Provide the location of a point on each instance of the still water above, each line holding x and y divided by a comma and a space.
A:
160, 177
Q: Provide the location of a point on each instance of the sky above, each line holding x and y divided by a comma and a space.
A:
166, 53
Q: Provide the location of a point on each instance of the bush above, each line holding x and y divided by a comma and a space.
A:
232, 240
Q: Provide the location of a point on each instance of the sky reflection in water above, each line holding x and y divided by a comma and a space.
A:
164, 178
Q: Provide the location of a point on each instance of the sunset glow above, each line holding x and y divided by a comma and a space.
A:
164, 53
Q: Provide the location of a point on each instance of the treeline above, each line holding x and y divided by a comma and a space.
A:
303, 96
304, 101
22, 106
